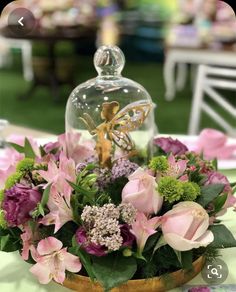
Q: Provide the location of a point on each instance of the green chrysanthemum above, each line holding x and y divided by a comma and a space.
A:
3, 223
1, 195
191, 191
159, 163
13, 179
26, 164
170, 188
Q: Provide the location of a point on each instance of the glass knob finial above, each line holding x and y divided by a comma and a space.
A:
109, 60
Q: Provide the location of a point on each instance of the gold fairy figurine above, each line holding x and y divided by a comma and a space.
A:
116, 127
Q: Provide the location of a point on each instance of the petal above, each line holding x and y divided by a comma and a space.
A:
179, 243
42, 272
137, 174
60, 276
202, 228
72, 263
49, 245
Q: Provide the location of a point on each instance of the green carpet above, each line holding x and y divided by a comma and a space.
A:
42, 113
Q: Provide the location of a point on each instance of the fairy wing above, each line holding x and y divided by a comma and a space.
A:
131, 117
122, 140
128, 119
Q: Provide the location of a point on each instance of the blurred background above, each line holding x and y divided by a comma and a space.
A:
164, 43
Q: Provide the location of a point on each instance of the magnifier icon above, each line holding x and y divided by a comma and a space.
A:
214, 271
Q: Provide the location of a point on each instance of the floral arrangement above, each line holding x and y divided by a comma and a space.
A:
138, 219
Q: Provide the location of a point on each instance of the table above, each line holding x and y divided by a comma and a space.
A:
14, 272
50, 39
183, 55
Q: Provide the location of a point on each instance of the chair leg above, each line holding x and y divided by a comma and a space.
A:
182, 70
27, 61
169, 77
195, 113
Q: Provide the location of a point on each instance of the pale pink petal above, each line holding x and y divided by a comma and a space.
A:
42, 272
72, 263
177, 223
179, 243
59, 276
137, 174
49, 245
4, 175
154, 222
203, 226
182, 164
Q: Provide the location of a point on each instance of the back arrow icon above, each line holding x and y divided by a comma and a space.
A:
20, 21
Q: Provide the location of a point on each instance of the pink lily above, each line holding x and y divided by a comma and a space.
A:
176, 168
66, 169
59, 206
28, 238
142, 228
53, 260
60, 193
78, 151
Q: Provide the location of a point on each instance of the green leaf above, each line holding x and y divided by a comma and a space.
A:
28, 150
223, 238
215, 164
3, 241
219, 203
161, 242
187, 259
41, 210
84, 258
17, 147
209, 193
114, 270
152, 241
45, 196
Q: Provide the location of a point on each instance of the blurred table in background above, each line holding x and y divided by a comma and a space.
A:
181, 56
51, 39
18, 130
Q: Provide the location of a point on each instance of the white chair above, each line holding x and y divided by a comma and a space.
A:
209, 79
26, 55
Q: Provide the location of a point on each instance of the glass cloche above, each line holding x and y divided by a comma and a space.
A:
116, 112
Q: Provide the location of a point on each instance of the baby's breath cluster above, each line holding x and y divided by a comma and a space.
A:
127, 213
103, 226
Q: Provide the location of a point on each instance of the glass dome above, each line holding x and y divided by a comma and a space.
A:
116, 112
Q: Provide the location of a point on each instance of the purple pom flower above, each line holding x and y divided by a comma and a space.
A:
89, 247
128, 237
19, 201
123, 168
169, 145
214, 177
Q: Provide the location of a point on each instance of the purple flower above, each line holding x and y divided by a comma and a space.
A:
19, 201
128, 237
214, 177
89, 247
123, 167
170, 145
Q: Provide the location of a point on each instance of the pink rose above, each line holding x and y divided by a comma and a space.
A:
213, 144
141, 192
185, 226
